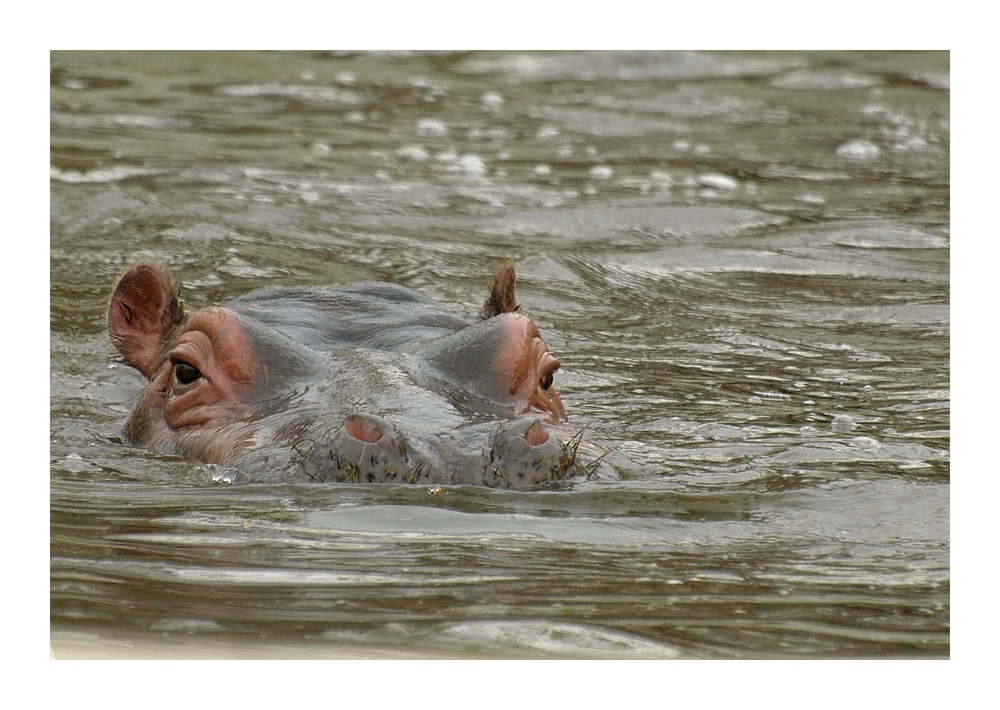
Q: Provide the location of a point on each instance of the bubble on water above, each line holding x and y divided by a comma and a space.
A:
345, 78
754, 399
591, 150
414, 153
660, 177
503, 155
492, 101
472, 165
718, 180
858, 149
74, 84
542, 170
602, 172
564, 151
865, 442
354, 117
810, 199
431, 128
307, 76
702, 149
681, 146
546, 132
842, 423
319, 149
310, 196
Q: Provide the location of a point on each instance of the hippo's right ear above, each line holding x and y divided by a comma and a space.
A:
501, 296
145, 307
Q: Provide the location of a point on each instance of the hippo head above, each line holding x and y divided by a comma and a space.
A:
372, 382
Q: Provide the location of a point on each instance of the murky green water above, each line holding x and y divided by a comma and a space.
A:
741, 260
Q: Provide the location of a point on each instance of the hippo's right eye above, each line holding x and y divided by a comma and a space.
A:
186, 374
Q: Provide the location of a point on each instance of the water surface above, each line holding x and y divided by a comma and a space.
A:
741, 260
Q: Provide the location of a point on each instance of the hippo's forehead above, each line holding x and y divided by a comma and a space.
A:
220, 335
248, 352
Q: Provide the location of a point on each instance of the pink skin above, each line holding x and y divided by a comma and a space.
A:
214, 410
525, 362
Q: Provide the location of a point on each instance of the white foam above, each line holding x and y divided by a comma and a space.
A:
414, 153
431, 128
858, 149
492, 101
718, 181
100, 175
602, 172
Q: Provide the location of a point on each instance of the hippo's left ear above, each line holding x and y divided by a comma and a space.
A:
501, 297
145, 307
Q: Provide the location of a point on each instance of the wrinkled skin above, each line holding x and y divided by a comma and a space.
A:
364, 383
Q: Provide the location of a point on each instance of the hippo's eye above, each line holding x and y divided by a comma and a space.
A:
186, 374
546, 381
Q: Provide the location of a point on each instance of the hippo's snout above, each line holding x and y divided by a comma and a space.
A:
524, 455
365, 448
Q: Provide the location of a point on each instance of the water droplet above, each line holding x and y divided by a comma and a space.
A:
431, 128
858, 149
718, 180
319, 149
492, 101
414, 153
842, 423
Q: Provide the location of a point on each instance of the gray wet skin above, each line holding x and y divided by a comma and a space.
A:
370, 382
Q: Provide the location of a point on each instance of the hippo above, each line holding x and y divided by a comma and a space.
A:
368, 383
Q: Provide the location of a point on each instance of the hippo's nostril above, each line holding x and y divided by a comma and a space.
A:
362, 429
536, 435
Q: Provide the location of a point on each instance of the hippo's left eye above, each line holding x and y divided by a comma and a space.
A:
186, 374
546, 381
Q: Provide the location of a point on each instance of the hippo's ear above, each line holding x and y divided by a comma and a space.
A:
145, 307
501, 296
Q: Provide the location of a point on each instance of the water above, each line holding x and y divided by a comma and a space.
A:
741, 259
